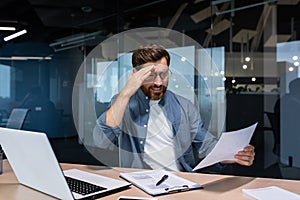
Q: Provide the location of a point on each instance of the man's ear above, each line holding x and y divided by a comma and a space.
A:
134, 70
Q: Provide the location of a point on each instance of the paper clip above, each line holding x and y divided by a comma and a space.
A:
180, 188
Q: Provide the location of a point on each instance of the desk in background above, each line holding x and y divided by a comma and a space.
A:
215, 186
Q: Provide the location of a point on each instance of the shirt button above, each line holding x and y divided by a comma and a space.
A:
145, 125
147, 110
141, 142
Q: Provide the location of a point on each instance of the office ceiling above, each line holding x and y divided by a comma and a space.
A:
50, 20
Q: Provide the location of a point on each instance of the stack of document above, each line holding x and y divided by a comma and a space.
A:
272, 192
157, 182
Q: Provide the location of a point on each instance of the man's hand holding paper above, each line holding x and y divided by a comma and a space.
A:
232, 147
244, 157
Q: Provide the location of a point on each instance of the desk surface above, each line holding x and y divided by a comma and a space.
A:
215, 186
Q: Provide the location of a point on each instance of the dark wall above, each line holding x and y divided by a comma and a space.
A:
244, 110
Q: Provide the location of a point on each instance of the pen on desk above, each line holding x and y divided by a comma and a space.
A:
165, 177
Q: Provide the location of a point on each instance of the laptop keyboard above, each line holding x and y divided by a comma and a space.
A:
82, 187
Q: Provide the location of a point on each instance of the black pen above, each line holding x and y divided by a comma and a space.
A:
165, 177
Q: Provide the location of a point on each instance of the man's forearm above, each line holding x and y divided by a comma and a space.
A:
115, 113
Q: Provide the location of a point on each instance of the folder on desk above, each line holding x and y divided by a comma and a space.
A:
148, 182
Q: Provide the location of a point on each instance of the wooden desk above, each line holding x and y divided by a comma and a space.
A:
215, 186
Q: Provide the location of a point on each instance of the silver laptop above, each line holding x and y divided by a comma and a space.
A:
35, 165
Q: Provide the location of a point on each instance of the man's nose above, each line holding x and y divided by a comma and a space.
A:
158, 80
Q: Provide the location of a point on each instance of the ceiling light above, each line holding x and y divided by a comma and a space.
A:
245, 66
17, 34
26, 58
296, 64
291, 69
253, 79
73, 41
7, 28
247, 59
295, 57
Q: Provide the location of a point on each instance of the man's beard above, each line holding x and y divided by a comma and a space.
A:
151, 91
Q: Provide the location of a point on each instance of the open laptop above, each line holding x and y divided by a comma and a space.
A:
35, 165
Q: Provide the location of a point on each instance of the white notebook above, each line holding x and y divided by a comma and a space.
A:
271, 193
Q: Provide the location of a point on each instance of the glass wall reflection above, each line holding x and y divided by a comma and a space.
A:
252, 74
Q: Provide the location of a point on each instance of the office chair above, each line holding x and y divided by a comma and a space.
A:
16, 118
275, 125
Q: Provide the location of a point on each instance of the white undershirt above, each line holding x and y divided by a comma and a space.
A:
159, 147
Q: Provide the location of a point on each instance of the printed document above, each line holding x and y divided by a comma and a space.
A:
151, 182
228, 145
272, 192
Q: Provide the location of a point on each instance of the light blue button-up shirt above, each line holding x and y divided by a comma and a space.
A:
189, 133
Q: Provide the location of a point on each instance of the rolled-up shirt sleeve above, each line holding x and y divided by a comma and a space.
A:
103, 134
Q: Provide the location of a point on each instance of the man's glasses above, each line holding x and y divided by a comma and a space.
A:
163, 75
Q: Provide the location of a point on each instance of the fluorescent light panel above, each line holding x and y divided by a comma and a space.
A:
15, 35
7, 28
74, 38
26, 58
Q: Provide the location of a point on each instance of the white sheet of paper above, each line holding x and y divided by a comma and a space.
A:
271, 192
228, 145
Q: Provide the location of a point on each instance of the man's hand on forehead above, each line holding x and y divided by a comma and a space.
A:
145, 68
156, 66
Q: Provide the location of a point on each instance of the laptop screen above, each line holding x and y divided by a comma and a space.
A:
35, 165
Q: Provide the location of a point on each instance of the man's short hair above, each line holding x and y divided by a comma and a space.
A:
149, 53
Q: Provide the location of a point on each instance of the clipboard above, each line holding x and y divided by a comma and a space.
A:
147, 181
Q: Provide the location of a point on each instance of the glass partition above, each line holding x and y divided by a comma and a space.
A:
237, 61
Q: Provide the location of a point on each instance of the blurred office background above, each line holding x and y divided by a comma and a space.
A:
248, 64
